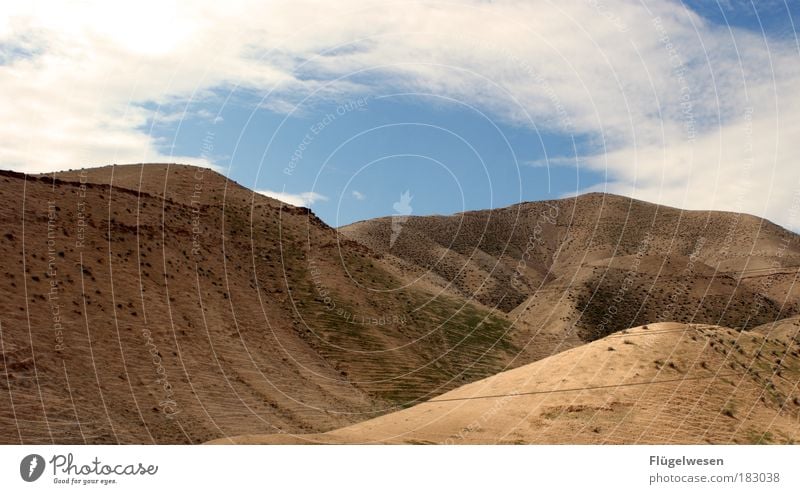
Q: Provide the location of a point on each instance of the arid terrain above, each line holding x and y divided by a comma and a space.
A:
668, 383
166, 304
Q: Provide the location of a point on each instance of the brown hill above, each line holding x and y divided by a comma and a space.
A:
168, 304
599, 263
666, 383
164, 303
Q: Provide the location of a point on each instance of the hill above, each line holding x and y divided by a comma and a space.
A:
660, 384
588, 266
167, 304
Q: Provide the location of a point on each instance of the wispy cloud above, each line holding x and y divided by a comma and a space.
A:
303, 199
556, 161
358, 195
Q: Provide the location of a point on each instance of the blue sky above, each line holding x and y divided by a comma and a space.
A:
465, 105
449, 157
775, 17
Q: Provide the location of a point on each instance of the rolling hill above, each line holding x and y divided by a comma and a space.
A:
600, 263
165, 303
666, 383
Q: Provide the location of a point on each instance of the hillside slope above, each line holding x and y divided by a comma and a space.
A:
164, 303
168, 304
667, 383
588, 266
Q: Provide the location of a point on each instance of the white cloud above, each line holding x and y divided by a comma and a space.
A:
615, 73
303, 199
557, 161
358, 195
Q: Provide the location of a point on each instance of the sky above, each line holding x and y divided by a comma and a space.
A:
359, 109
